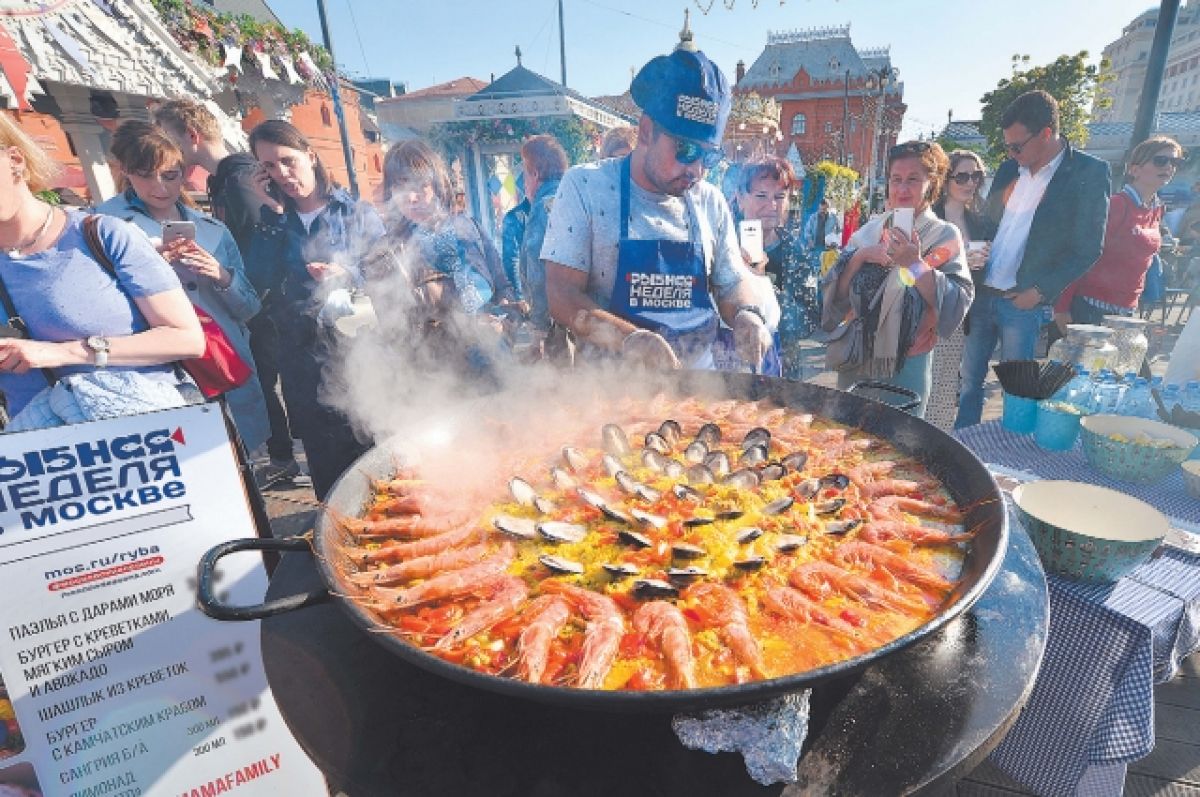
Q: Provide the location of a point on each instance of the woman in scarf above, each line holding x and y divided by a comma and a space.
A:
891, 295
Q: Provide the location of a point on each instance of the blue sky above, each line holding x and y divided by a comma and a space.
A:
949, 52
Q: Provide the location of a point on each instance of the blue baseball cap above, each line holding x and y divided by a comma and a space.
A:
686, 94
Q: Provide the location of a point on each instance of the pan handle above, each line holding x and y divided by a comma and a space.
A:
912, 400
211, 605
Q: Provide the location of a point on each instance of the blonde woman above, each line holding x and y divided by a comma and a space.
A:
107, 342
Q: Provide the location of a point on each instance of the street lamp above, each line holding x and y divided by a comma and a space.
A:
878, 79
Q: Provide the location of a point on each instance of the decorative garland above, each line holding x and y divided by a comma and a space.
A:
208, 35
578, 137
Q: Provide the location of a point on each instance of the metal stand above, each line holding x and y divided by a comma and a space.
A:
258, 507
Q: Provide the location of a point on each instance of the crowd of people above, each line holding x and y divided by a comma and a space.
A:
633, 258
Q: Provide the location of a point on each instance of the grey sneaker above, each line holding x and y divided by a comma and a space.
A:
275, 472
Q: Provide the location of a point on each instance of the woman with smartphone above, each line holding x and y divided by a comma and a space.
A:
961, 204
901, 283
303, 262
200, 249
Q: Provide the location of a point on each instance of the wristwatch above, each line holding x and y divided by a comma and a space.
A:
99, 346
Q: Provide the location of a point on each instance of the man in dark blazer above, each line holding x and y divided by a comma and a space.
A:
1050, 204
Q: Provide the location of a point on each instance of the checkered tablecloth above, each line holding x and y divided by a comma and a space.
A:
1091, 710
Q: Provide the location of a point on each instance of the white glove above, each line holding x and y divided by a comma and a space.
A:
649, 349
751, 337
338, 304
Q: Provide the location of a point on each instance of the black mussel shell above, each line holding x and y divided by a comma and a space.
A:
519, 527
702, 520
744, 479
831, 507
695, 452
649, 588
808, 488
674, 468
671, 431
626, 482
786, 543
710, 435
758, 436
795, 461
730, 514
656, 442
633, 538
574, 458
599, 503
647, 519
779, 506
699, 474
750, 564
749, 535
685, 493
543, 505
654, 460
558, 564
842, 526
615, 440
718, 463
685, 550
612, 465
558, 531
772, 472
838, 481
562, 479
686, 575
620, 569
647, 493
522, 491
753, 455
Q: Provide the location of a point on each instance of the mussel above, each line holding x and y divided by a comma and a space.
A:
699, 474
753, 455
656, 442
674, 469
615, 440
779, 506
838, 481
786, 543
718, 463
671, 431
522, 491
710, 435
748, 535
561, 478
626, 482
842, 526
633, 538
647, 519
559, 531
808, 488
831, 507
685, 493
647, 493
758, 436
745, 479
620, 569
654, 460
795, 461
558, 564
519, 527
750, 563
696, 451
599, 503
649, 588
699, 520
574, 459
730, 514
612, 465
772, 471
686, 575
687, 551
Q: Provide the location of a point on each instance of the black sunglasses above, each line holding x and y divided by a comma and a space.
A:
688, 152
1015, 149
1167, 160
962, 178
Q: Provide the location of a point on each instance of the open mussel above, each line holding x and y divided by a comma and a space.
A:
614, 439
557, 564
574, 459
685, 493
838, 481
787, 543
647, 519
754, 455
699, 474
633, 538
562, 479
808, 488
699, 520
686, 551
654, 460
779, 506
647, 493
758, 436
772, 471
671, 431
745, 479
650, 588
795, 461
710, 435
842, 526
696, 451
730, 514
519, 527
831, 507
525, 495
674, 469
559, 531
626, 482
597, 501
612, 465
748, 535
686, 575
620, 569
750, 563
656, 442
718, 463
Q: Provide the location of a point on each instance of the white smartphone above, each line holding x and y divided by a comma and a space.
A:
976, 246
750, 235
902, 219
172, 231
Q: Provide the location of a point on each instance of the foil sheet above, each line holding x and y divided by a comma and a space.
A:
769, 735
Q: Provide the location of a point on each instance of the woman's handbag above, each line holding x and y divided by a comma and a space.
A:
220, 369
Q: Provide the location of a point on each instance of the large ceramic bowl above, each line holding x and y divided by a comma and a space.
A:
1088, 533
1134, 449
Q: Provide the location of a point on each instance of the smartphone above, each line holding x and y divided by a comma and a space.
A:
902, 219
750, 235
976, 246
172, 231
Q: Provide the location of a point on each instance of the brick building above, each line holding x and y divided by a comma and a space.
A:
836, 101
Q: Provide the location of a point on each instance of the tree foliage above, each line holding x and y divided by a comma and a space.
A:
1069, 79
841, 183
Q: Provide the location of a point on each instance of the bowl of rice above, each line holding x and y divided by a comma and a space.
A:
1134, 449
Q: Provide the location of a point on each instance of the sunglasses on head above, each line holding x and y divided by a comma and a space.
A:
963, 178
909, 148
1167, 160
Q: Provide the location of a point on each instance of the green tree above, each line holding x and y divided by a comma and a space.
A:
1069, 79
841, 183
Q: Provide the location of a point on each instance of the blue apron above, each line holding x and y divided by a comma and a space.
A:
662, 286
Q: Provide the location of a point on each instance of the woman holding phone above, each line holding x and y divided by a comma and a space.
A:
893, 292
303, 261
961, 204
200, 248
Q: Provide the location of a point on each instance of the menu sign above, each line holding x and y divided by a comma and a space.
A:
114, 683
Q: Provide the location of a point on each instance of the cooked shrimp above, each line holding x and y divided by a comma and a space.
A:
907, 487
887, 530
606, 626
548, 614
867, 471
893, 507
400, 551
744, 412
408, 527
446, 585
795, 604
820, 579
422, 566
664, 623
510, 593
728, 611
398, 485
876, 557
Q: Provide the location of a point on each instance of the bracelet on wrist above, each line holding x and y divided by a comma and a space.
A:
750, 308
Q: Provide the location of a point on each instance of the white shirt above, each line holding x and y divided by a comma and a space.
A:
1008, 247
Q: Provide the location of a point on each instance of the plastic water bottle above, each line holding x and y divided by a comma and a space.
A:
1107, 394
1079, 391
1191, 396
1172, 395
1138, 402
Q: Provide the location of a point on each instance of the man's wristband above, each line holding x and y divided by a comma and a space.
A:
751, 308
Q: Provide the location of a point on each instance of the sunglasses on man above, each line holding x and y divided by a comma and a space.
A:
1167, 160
1017, 149
963, 178
688, 152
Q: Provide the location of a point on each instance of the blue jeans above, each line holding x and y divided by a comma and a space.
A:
993, 318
